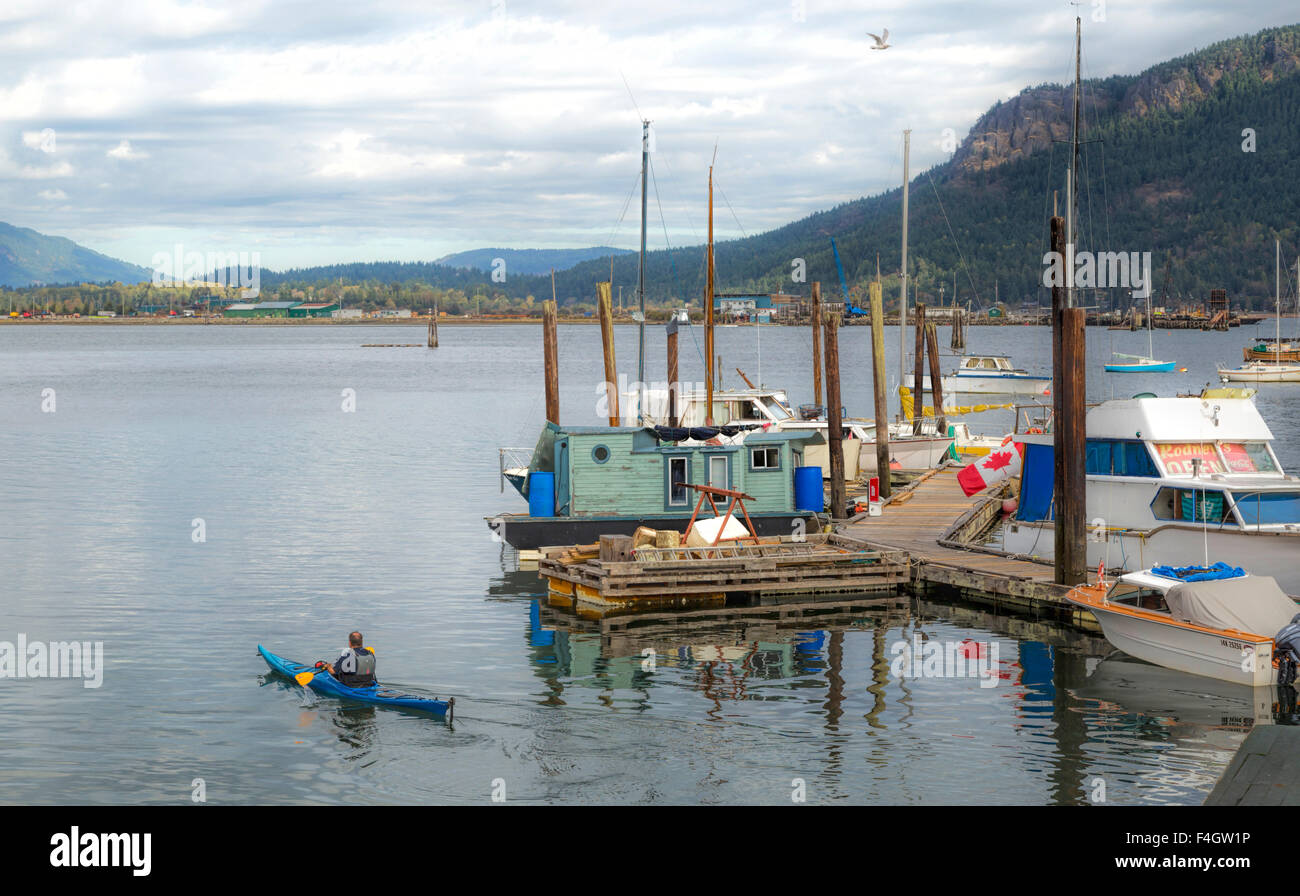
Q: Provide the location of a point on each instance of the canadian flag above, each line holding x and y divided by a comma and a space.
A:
1001, 464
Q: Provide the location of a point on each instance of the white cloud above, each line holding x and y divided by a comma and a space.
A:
52, 195
124, 150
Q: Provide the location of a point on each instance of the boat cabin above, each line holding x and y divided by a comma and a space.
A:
984, 364
1154, 461
731, 406
632, 471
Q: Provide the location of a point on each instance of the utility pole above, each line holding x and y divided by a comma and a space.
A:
640, 281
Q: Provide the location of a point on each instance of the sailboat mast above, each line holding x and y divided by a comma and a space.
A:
708, 314
902, 291
1073, 198
640, 281
1277, 291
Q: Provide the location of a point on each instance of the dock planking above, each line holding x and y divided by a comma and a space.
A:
925, 520
1264, 772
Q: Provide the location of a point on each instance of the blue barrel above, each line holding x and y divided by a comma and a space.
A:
541, 493
808, 494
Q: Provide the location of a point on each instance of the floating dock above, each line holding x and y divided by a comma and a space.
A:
1265, 771
727, 573
938, 527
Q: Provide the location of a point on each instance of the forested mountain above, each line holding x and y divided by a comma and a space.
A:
28, 257
527, 261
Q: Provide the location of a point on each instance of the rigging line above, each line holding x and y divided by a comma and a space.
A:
1105, 186
672, 264
954, 237
732, 210
678, 198
626, 205
639, 116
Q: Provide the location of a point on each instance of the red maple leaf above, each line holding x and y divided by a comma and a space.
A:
997, 460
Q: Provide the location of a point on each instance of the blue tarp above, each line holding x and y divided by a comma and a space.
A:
1210, 573
1036, 484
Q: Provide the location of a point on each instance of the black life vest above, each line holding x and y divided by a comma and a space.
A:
356, 667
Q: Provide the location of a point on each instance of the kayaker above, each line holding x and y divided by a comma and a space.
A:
356, 666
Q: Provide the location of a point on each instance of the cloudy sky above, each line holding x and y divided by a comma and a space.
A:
316, 132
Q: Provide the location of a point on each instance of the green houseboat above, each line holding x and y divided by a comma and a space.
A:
587, 481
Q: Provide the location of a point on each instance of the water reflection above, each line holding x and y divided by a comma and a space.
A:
1067, 720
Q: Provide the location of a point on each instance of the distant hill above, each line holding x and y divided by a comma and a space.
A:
528, 261
28, 257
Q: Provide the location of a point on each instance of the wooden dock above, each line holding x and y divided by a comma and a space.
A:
730, 572
937, 525
1265, 771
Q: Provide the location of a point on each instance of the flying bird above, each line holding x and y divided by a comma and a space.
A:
882, 40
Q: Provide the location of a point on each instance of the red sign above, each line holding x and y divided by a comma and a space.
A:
873, 490
1178, 456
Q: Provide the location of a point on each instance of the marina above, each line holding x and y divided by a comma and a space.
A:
782, 418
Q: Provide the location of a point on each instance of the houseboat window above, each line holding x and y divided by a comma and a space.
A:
765, 458
1110, 457
679, 475
600, 453
989, 364
1269, 508
1177, 457
1248, 457
718, 464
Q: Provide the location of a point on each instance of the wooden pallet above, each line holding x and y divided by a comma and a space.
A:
663, 577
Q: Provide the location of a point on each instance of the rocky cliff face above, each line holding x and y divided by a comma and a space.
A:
1029, 123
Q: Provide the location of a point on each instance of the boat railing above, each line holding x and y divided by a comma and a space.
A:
512, 459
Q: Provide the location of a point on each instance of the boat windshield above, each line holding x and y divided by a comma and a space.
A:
776, 409
1139, 596
1268, 508
1248, 457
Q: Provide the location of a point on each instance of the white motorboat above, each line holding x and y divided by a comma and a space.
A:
1170, 477
1215, 621
987, 375
1261, 372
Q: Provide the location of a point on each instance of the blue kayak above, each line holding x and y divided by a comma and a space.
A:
377, 694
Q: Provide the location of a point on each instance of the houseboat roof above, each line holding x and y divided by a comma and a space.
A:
1178, 420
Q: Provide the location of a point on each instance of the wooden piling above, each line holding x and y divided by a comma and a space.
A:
878, 386
817, 341
918, 376
834, 425
550, 354
607, 344
1068, 384
936, 381
672, 371
433, 329
1071, 509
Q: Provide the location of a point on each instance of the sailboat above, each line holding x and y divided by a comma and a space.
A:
1275, 371
1143, 363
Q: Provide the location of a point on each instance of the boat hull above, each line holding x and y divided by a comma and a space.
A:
1183, 648
528, 533
1270, 553
988, 384
1158, 367
1262, 373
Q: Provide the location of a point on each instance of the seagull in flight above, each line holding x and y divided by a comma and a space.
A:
882, 40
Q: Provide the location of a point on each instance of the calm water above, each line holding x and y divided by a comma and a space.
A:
318, 521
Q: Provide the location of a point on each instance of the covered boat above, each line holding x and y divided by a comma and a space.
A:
1214, 621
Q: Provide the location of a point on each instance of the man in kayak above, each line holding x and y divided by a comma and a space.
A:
356, 666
